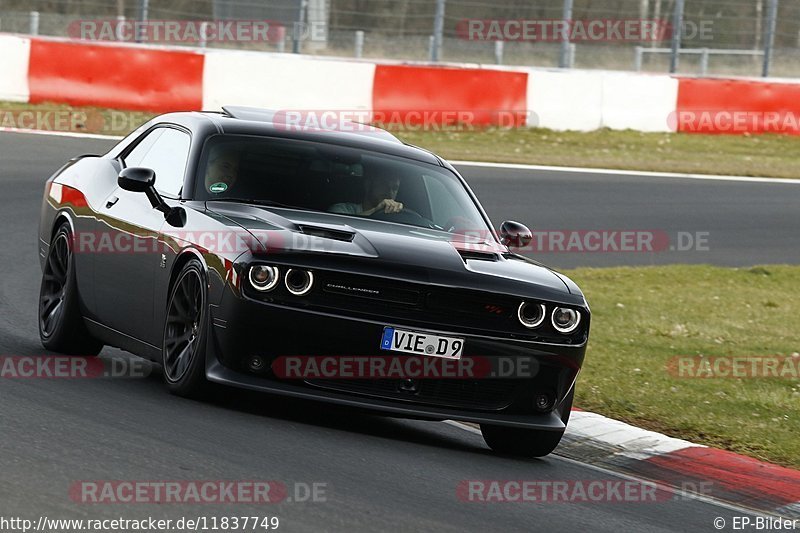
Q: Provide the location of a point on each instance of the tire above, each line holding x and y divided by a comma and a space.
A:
521, 442
185, 333
61, 326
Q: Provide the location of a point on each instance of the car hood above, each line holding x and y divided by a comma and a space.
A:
399, 250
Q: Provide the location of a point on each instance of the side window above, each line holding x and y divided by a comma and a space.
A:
443, 206
166, 151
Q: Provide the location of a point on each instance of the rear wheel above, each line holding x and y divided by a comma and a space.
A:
526, 442
183, 348
61, 327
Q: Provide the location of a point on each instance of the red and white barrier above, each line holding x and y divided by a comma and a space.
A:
14, 60
123, 77
285, 81
482, 97
138, 77
586, 100
735, 106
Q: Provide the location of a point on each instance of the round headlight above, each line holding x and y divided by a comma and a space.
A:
531, 315
565, 320
264, 278
299, 282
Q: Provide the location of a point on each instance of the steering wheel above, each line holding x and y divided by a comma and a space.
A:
406, 216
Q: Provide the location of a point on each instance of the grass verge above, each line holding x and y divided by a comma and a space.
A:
643, 318
748, 155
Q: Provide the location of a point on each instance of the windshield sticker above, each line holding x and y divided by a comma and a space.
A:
218, 187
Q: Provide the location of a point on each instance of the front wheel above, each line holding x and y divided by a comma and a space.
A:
523, 442
61, 327
183, 349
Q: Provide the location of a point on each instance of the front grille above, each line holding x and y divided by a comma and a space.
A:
461, 302
419, 305
485, 394
359, 289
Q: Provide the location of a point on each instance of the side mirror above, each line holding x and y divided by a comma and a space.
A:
514, 234
140, 179
137, 179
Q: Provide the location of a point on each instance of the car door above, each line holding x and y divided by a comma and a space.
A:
125, 269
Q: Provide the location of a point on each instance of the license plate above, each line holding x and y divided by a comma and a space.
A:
401, 340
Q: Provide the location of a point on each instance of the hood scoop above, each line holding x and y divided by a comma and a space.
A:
477, 255
327, 233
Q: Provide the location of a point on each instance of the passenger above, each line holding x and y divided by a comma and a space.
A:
222, 169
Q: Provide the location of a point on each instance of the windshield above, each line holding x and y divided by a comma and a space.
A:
335, 179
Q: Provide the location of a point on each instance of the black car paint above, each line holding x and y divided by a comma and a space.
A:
123, 295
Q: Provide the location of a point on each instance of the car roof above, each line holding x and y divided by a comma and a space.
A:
302, 125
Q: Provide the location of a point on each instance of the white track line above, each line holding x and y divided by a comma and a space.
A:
634, 173
517, 166
74, 134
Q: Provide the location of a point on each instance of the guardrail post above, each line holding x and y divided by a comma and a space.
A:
280, 38
118, 30
498, 52
677, 30
144, 14
34, 23
638, 52
438, 31
769, 38
566, 16
299, 27
704, 62
359, 44
203, 34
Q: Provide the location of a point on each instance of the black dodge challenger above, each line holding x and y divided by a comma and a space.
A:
341, 266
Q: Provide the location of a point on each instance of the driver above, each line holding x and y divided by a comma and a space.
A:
222, 169
379, 195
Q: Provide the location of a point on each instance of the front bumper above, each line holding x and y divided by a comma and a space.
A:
241, 328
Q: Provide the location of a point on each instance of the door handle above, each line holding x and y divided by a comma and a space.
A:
111, 202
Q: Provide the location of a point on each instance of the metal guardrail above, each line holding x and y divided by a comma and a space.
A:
433, 30
704, 54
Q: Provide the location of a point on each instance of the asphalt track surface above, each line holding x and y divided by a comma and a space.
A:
380, 473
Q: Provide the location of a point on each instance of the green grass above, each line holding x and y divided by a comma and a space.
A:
643, 317
741, 155
748, 155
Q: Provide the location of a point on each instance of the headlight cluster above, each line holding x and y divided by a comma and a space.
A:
532, 315
265, 278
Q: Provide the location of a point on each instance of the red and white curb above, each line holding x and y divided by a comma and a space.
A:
730, 477
727, 478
